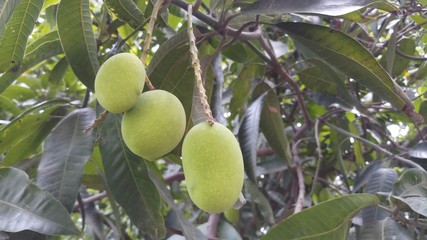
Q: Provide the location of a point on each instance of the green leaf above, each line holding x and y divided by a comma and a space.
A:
43, 48
20, 127
15, 36
6, 104
127, 11
170, 69
26, 207
188, 229
58, 72
78, 40
128, 180
30, 142
321, 7
350, 57
65, 154
6, 9
241, 90
254, 195
384, 229
335, 218
381, 180
248, 136
273, 128
410, 192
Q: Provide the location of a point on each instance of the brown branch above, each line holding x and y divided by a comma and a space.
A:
212, 226
90, 199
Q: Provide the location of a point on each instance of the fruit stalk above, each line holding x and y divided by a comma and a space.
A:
195, 63
147, 41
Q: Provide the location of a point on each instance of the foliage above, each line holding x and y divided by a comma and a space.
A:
326, 98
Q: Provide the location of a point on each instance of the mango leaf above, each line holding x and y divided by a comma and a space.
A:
188, 228
58, 72
320, 7
410, 192
254, 195
15, 35
381, 180
128, 180
127, 11
351, 58
335, 214
273, 128
241, 90
397, 63
78, 40
170, 69
65, 154
6, 9
45, 47
384, 229
19, 127
248, 136
26, 207
28, 143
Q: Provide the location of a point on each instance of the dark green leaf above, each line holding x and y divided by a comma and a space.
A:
410, 192
322, 7
58, 72
127, 11
335, 218
6, 104
254, 195
170, 69
273, 128
45, 47
241, 90
381, 180
248, 136
26, 207
128, 180
189, 230
384, 229
15, 35
6, 10
350, 57
65, 153
78, 40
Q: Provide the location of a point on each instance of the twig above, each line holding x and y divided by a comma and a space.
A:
90, 199
300, 175
375, 146
148, 38
97, 121
212, 226
195, 63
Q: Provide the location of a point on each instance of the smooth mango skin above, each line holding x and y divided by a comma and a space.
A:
155, 125
213, 167
119, 82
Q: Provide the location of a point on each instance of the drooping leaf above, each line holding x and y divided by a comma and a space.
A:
128, 180
366, 173
15, 36
65, 153
273, 128
410, 191
43, 48
127, 11
188, 229
248, 136
335, 215
397, 63
321, 7
20, 127
26, 207
241, 90
6, 9
170, 69
350, 57
384, 229
381, 181
28, 143
58, 72
254, 195
78, 40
